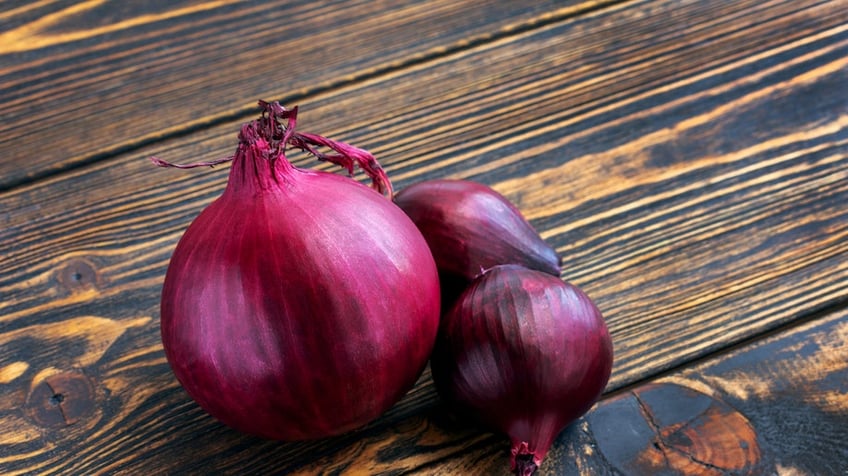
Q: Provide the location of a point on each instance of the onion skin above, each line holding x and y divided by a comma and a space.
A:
300, 304
526, 353
471, 227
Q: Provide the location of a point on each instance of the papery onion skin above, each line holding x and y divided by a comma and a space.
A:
526, 353
300, 304
471, 227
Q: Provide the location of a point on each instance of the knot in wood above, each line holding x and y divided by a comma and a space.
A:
77, 274
61, 400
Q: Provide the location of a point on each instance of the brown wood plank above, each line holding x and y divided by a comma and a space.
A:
84, 80
776, 406
692, 173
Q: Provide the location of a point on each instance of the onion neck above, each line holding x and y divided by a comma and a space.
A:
260, 161
258, 164
524, 465
524, 461
270, 127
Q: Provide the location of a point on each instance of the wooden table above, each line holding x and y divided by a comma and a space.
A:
688, 160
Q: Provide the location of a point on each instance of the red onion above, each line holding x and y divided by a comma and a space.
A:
300, 304
471, 227
526, 353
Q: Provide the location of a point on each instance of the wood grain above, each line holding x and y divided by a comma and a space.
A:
83, 81
692, 173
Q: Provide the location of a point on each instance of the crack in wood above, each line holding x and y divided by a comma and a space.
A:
664, 448
56, 399
658, 443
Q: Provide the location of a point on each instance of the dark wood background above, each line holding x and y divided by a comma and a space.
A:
688, 159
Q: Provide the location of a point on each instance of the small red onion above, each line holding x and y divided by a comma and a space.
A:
300, 304
526, 353
471, 227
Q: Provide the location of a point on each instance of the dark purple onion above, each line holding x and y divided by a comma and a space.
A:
300, 304
471, 227
526, 353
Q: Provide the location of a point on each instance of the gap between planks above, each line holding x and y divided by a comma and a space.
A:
821, 312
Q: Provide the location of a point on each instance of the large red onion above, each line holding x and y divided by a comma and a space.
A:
526, 353
300, 304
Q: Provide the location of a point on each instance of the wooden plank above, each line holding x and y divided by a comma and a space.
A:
776, 406
692, 173
83, 81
